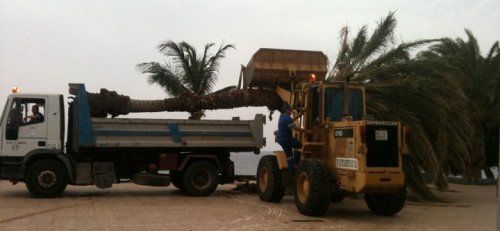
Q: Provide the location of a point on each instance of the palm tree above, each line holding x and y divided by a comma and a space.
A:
187, 72
421, 93
479, 78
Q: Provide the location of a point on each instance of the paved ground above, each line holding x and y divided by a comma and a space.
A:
132, 207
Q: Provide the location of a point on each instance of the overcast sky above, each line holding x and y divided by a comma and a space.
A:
44, 45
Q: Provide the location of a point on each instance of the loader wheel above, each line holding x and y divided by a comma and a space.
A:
337, 198
386, 204
269, 184
46, 178
200, 178
312, 187
176, 179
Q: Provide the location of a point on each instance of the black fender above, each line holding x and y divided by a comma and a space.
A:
41, 154
191, 157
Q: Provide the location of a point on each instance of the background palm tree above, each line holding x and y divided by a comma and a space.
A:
479, 79
186, 71
421, 93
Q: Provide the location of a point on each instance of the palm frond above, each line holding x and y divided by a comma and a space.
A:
212, 69
380, 38
164, 76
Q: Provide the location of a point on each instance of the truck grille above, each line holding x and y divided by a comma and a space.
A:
382, 144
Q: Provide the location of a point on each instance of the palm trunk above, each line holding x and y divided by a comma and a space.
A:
109, 102
473, 169
196, 115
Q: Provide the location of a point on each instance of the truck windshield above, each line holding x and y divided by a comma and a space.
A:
334, 103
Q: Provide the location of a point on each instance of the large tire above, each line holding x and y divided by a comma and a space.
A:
46, 178
337, 197
176, 179
312, 187
386, 204
200, 178
269, 180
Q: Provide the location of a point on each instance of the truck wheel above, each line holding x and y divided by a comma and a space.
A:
269, 184
200, 178
46, 178
386, 204
176, 178
312, 187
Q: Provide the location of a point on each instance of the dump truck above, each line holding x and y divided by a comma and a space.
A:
104, 151
344, 152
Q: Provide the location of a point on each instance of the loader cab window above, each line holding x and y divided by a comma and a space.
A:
315, 102
334, 103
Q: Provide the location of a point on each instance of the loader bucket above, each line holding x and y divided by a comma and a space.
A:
271, 67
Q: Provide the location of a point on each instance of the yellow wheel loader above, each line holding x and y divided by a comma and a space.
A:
343, 152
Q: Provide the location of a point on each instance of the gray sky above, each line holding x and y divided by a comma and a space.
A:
46, 44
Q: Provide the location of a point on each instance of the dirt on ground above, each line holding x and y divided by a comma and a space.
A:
134, 207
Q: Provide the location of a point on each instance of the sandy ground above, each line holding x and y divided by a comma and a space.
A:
133, 207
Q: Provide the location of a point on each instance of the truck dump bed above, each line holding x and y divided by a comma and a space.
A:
94, 134
165, 133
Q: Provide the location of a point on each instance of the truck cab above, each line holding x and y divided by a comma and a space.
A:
23, 136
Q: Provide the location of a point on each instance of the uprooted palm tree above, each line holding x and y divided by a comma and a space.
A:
187, 72
189, 78
479, 78
422, 94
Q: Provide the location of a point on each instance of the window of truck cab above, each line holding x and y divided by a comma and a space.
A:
26, 115
28, 107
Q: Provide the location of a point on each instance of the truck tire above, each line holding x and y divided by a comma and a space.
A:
269, 185
200, 178
176, 178
46, 178
312, 187
386, 204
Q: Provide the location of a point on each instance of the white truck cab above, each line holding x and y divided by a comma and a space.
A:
30, 123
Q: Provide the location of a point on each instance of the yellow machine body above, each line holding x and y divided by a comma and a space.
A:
362, 155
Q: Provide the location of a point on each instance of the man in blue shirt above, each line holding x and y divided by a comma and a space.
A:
285, 138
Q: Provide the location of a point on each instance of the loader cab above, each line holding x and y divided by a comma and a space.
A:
325, 103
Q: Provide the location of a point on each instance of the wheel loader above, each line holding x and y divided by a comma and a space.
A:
344, 151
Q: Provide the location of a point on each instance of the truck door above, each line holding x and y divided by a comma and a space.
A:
26, 127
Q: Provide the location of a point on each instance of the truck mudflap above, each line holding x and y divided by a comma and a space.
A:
227, 171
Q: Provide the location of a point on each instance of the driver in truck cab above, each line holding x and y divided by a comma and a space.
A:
285, 139
36, 117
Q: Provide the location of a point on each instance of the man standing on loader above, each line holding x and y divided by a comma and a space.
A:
286, 140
